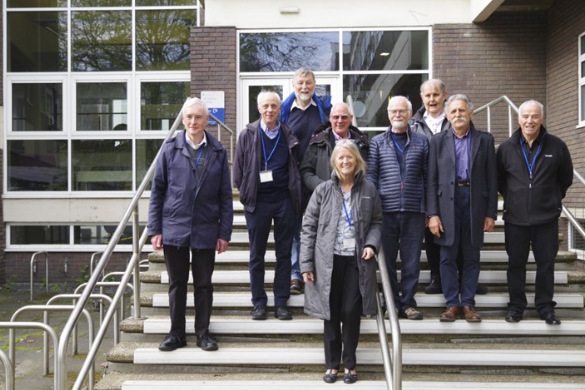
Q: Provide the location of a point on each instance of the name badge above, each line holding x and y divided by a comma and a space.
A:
266, 176
348, 243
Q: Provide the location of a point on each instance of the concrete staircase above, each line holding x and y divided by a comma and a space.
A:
275, 354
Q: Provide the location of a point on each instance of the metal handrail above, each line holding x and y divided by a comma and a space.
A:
33, 269
9, 360
132, 269
392, 362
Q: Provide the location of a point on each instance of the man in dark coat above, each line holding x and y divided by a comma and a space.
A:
534, 172
191, 213
461, 203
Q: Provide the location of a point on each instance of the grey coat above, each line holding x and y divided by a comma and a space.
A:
318, 239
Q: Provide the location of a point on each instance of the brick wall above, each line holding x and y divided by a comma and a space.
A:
503, 56
213, 67
566, 21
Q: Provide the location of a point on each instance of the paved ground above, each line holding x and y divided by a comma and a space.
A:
29, 356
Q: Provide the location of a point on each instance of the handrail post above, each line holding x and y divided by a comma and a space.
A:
7, 370
136, 251
33, 269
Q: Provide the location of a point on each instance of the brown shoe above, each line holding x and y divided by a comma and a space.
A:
450, 315
470, 314
296, 287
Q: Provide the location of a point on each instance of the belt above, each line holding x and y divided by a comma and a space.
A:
463, 183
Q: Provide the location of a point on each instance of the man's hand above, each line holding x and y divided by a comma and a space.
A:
435, 226
221, 245
488, 224
308, 277
156, 241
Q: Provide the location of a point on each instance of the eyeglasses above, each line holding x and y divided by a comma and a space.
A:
339, 117
401, 112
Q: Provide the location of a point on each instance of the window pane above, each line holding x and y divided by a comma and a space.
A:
146, 150
162, 39
37, 107
37, 165
101, 234
582, 103
385, 50
34, 235
583, 44
373, 92
101, 41
37, 41
286, 52
582, 69
102, 106
36, 3
164, 3
160, 103
101, 3
102, 165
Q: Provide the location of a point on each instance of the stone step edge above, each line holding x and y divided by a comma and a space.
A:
499, 300
365, 356
220, 326
318, 385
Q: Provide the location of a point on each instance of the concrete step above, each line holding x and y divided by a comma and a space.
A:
495, 300
320, 385
284, 355
487, 277
306, 326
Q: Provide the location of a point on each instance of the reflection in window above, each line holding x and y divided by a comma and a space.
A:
102, 165
160, 103
385, 50
253, 92
36, 3
101, 234
101, 40
146, 150
36, 41
36, 235
164, 3
102, 106
288, 51
374, 91
101, 3
37, 165
37, 107
162, 39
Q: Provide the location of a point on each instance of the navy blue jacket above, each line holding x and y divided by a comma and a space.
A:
186, 211
400, 191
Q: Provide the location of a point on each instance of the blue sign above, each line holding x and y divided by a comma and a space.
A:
219, 113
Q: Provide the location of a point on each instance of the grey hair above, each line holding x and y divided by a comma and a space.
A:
349, 145
193, 102
264, 94
459, 96
304, 72
400, 97
432, 83
529, 102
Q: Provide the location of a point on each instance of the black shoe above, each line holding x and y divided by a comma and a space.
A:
259, 313
550, 318
172, 342
481, 289
349, 378
330, 377
206, 343
435, 286
282, 313
513, 316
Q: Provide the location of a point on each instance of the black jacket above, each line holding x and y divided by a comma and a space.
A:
532, 202
418, 125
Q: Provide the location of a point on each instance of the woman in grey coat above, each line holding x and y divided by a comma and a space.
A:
341, 233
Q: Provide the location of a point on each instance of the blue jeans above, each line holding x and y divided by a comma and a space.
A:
403, 232
295, 271
469, 252
259, 223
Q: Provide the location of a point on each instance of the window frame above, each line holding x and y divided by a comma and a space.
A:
581, 78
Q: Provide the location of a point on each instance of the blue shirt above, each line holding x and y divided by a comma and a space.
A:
462, 153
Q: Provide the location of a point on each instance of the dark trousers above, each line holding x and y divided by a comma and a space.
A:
202, 265
345, 302
259, 222
433, 251
403, 232
545, 245
470, 256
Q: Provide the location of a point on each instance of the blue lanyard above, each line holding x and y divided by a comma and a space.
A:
200, 151
266, 159
396, 143
528, 164
348, 216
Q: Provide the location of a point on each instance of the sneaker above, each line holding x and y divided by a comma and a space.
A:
411, 313
434, 287
296, 287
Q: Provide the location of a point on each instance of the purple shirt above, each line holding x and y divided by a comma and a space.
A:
462, 153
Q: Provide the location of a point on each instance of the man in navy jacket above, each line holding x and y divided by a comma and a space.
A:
191, 213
